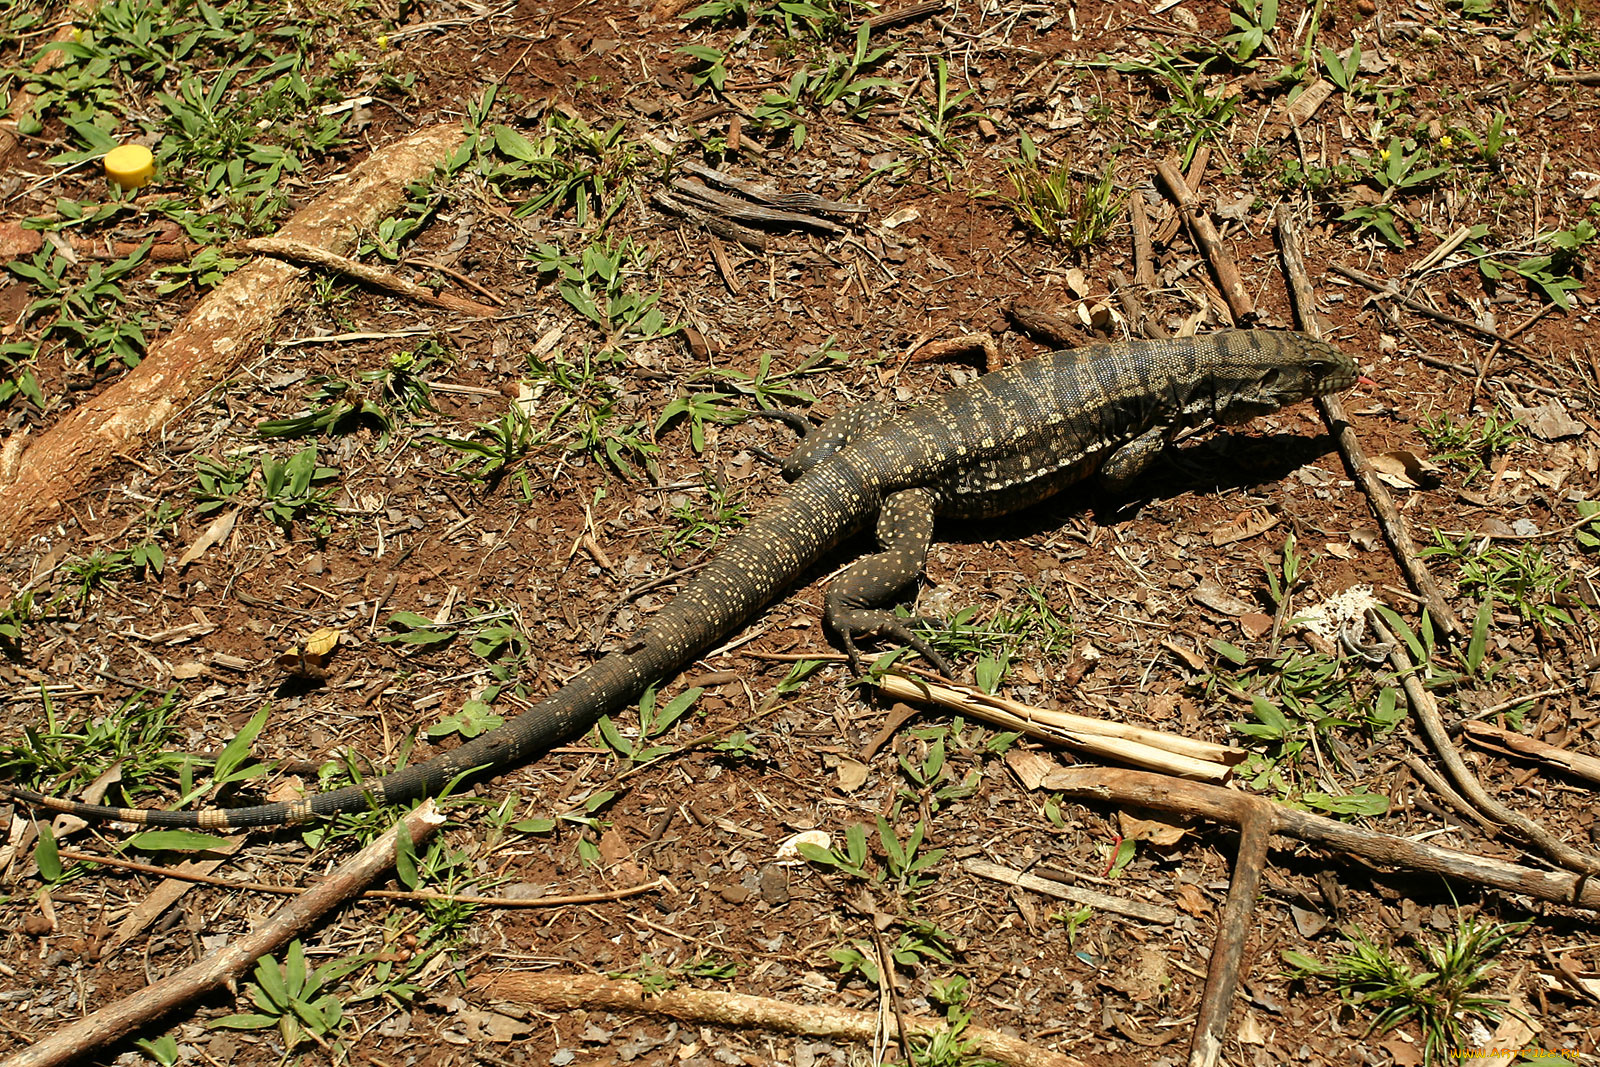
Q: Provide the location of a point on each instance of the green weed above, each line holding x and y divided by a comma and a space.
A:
294, 999
64, 756
291, 491
654, 723
1192, 115
1438, 998
567, 166
1060, 208
496, 449
1471, 445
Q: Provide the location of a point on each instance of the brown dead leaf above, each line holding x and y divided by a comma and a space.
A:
1144, 977
1211, 595
1403, 1049
1191, 900
1029, 767
311, 657
1250, 1032
476, 1025
1549, 421
614, 847
852, 774
1162, 834
215, 534
16, 241
1404, 469
1255, 624
1244, 527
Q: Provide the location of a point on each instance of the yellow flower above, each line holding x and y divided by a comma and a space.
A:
383, 41
1447, 142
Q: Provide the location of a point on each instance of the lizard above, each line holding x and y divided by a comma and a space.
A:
1002, 442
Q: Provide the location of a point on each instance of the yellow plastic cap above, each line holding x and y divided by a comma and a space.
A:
130, 165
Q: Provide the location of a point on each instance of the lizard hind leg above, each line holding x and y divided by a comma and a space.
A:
855, 604
833, 435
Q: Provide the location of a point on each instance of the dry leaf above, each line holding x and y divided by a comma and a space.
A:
1404, 469
1144, 977
789, 852
1548, 422
1250, 1032
852, 774
1155, 831
1404, 1051
1191, 900
313, 656
1244, 527
475, 1025
1255, 624
215, 534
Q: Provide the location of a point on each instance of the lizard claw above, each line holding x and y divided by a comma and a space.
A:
859, 623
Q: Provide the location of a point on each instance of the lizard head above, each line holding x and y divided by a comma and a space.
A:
1266, 377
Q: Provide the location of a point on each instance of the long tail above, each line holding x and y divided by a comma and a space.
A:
821, 509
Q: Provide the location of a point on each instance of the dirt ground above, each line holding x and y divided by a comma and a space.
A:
1114, 604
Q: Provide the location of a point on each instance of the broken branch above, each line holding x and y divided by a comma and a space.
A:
572, 992
230, 962
1115, 785
1136, 745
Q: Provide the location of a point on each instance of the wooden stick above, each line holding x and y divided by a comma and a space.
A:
905, 14
1133, 909
1144, 256
1515, 744
228, 963
1165, 793
1227, 951
1169, 753
1044, 325
1133, 308
1210, 242
570, 992
226, 328
1427, 713
1355, 457
1389, 292
308, 255
1193, 177
731, 207
682, 206
942, 349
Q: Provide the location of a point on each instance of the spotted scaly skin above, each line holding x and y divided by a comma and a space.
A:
1003, 442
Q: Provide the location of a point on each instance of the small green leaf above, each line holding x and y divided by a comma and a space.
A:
46, 854
175, 841
405, 856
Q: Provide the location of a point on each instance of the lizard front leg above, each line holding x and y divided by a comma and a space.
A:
1132, 459
855, 604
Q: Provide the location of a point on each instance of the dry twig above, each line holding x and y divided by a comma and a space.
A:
571, 992
1122, 742
1210, 242
311, 256
227, 964
1427, 713
1355, 457
1514, 744
1133, 909
1219, 804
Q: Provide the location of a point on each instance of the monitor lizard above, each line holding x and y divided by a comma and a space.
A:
1002, 442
